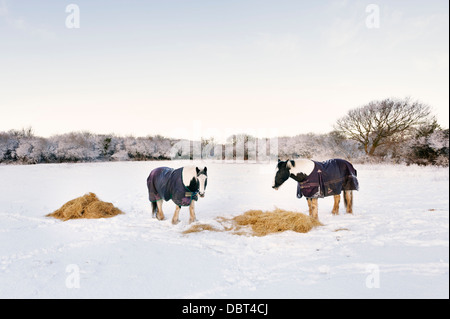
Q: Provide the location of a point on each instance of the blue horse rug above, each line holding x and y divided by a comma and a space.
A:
167, 183
328, 178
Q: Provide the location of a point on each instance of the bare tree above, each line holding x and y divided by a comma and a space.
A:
380, 122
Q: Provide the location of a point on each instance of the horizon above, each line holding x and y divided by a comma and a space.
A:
201, 69
29, 132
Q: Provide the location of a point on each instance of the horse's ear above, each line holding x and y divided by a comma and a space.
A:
204, 170
279, 160
197, 170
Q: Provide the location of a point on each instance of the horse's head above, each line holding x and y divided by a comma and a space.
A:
195, 179
282, 174
202, 178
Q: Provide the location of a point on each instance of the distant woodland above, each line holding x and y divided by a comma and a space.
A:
428, 146
387, 131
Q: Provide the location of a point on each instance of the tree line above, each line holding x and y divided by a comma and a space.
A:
391, 130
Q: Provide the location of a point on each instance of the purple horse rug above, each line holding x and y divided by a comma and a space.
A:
328, 178
167, 183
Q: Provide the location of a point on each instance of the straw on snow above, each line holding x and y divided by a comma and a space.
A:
87, 206
262, 223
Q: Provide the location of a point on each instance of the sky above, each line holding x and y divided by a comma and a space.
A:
192, 68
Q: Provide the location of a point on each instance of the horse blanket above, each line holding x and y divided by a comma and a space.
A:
328, 178
167, 183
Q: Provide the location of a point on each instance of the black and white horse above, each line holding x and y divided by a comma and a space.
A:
320, 179
182, 186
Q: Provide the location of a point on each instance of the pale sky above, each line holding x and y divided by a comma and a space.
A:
183, 68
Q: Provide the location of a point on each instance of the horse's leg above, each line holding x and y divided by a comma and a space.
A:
337, 199
348, 200
315, 208
309, 206
192, 212
175, 219
160, 214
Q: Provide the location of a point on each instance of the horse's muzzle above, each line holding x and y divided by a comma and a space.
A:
201, 194
275, 187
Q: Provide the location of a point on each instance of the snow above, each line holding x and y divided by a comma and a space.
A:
395, 245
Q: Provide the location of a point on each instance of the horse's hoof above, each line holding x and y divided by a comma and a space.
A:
174, 222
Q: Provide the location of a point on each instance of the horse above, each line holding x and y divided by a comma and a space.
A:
320, 179
182, 186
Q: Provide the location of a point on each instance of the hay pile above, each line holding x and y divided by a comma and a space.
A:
87, 206
261, 223
196, 228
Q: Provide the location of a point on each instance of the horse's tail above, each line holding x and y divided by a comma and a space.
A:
154, 209
348, 200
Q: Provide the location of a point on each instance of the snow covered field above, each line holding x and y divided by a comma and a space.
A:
395, 245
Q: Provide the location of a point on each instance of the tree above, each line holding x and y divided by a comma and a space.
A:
430, 145
380, 122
